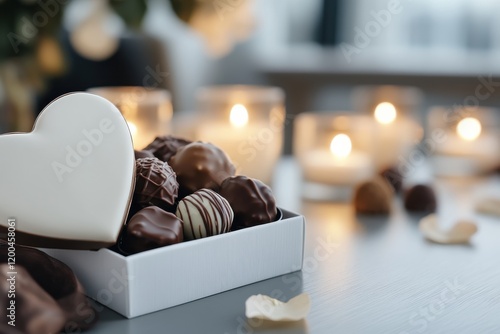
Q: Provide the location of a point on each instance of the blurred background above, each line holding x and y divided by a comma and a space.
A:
317, 51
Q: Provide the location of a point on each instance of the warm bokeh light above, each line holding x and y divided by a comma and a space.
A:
385, 113
238, 116
469, 128
132, 128
341, 146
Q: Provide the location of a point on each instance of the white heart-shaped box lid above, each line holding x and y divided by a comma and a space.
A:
69, 182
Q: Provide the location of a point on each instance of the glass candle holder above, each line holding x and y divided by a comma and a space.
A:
395, 110
464, 141
148, 111
247, 123
335, 152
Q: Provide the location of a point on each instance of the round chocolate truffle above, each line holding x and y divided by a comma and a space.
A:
394, 177
155, 184
165, 147
204, 213
151, 228
252, 201
200, 165
143, 154
420, 198
373, 197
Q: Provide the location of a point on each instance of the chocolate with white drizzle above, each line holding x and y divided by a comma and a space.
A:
204, 213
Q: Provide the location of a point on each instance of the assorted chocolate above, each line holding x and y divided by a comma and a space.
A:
155, 184
373, 197
420, 198
204, 213
187, 190
151, 228
200, 165
252, 201
48, 294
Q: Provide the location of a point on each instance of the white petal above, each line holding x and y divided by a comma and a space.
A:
461, 232
267, 308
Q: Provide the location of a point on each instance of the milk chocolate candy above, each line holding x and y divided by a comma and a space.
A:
200, 165
155, 184
143, 154
165, 147
373, 197
151, 228
252, 201
32, 310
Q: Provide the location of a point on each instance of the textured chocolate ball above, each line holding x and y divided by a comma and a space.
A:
394, 177
151, 228
204, 213
252, 201
200, 165
373, 197
155, 184
420, 198
143, 154
165, 147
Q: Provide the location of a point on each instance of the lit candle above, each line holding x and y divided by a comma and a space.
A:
339, 165
395, 136
467, 150
252, 145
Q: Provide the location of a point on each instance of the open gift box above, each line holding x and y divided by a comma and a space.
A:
69, 184
164, 277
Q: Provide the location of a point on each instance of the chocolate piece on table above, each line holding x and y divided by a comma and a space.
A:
394, 177
58, 280
420, 198
151, 228
35, 310
373, 197
143, 154
155, 184
252, 201
165, 147
204, 213
200, 165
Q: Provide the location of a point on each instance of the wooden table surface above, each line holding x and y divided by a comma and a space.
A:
364, 274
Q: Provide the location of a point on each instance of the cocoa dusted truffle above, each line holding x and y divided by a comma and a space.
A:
252, 201
200, 165
420, 198
204, 213
143, 154
155, 184
151, 228
394, 177
373, 197
165, 147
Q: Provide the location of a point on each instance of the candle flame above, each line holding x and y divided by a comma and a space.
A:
385, 113
238, 116
341, 146
469, 128
132, 128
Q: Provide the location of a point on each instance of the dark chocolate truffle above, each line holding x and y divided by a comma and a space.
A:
204, 213
373, 197
200, 165
151, 228
58, 281
420, 198
252, 201
143, 154
155, 184
394, 177
165, 147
